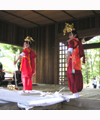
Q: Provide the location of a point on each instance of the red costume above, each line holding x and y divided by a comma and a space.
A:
27, 68
75, 79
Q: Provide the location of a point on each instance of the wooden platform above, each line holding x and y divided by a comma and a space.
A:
89, 100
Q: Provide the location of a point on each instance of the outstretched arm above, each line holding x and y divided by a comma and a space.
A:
19, 57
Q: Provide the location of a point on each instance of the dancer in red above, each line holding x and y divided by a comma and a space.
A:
74, 74
27, 64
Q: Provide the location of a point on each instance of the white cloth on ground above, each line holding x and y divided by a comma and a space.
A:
28, 101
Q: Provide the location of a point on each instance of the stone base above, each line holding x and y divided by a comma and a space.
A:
73, 104
13, 106
9, 106
81, 104
51, 107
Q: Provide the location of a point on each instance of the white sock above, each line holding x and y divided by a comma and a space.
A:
76, 95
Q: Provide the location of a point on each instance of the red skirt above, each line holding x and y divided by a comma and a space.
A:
75, 80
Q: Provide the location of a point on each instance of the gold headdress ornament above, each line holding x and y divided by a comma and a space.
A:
68, 28
29, 39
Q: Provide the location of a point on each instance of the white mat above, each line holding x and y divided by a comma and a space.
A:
28, 101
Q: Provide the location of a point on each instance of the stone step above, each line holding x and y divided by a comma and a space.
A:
74, 104
13, 106
81, 104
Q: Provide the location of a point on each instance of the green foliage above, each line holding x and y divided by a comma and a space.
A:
92, 66
7, 53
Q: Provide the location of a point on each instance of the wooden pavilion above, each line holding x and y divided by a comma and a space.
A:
46, 28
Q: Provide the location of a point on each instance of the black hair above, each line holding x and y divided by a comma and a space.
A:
74, 32
29, 43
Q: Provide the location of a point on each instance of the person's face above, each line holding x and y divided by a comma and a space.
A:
71, 36
25, 45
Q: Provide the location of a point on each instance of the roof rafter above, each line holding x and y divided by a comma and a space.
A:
94, 12
20, 18
44, 16
68, 14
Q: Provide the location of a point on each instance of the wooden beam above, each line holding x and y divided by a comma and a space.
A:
44, 16
94, 12
91, 46
86, 39
89, 32
68, 14
20, 18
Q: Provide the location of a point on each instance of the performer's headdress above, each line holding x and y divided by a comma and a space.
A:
29, 39
68, 28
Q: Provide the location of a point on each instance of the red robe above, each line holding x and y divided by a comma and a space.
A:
27, 68
75, 80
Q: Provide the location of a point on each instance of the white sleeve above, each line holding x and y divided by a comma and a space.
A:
22, 54
71, 50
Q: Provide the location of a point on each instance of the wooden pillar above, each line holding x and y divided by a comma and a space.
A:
38, 57
46, 57
34, 36
56, 57
41, 56
96, 21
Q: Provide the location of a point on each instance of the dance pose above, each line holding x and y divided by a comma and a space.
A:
27, 64
74, 74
